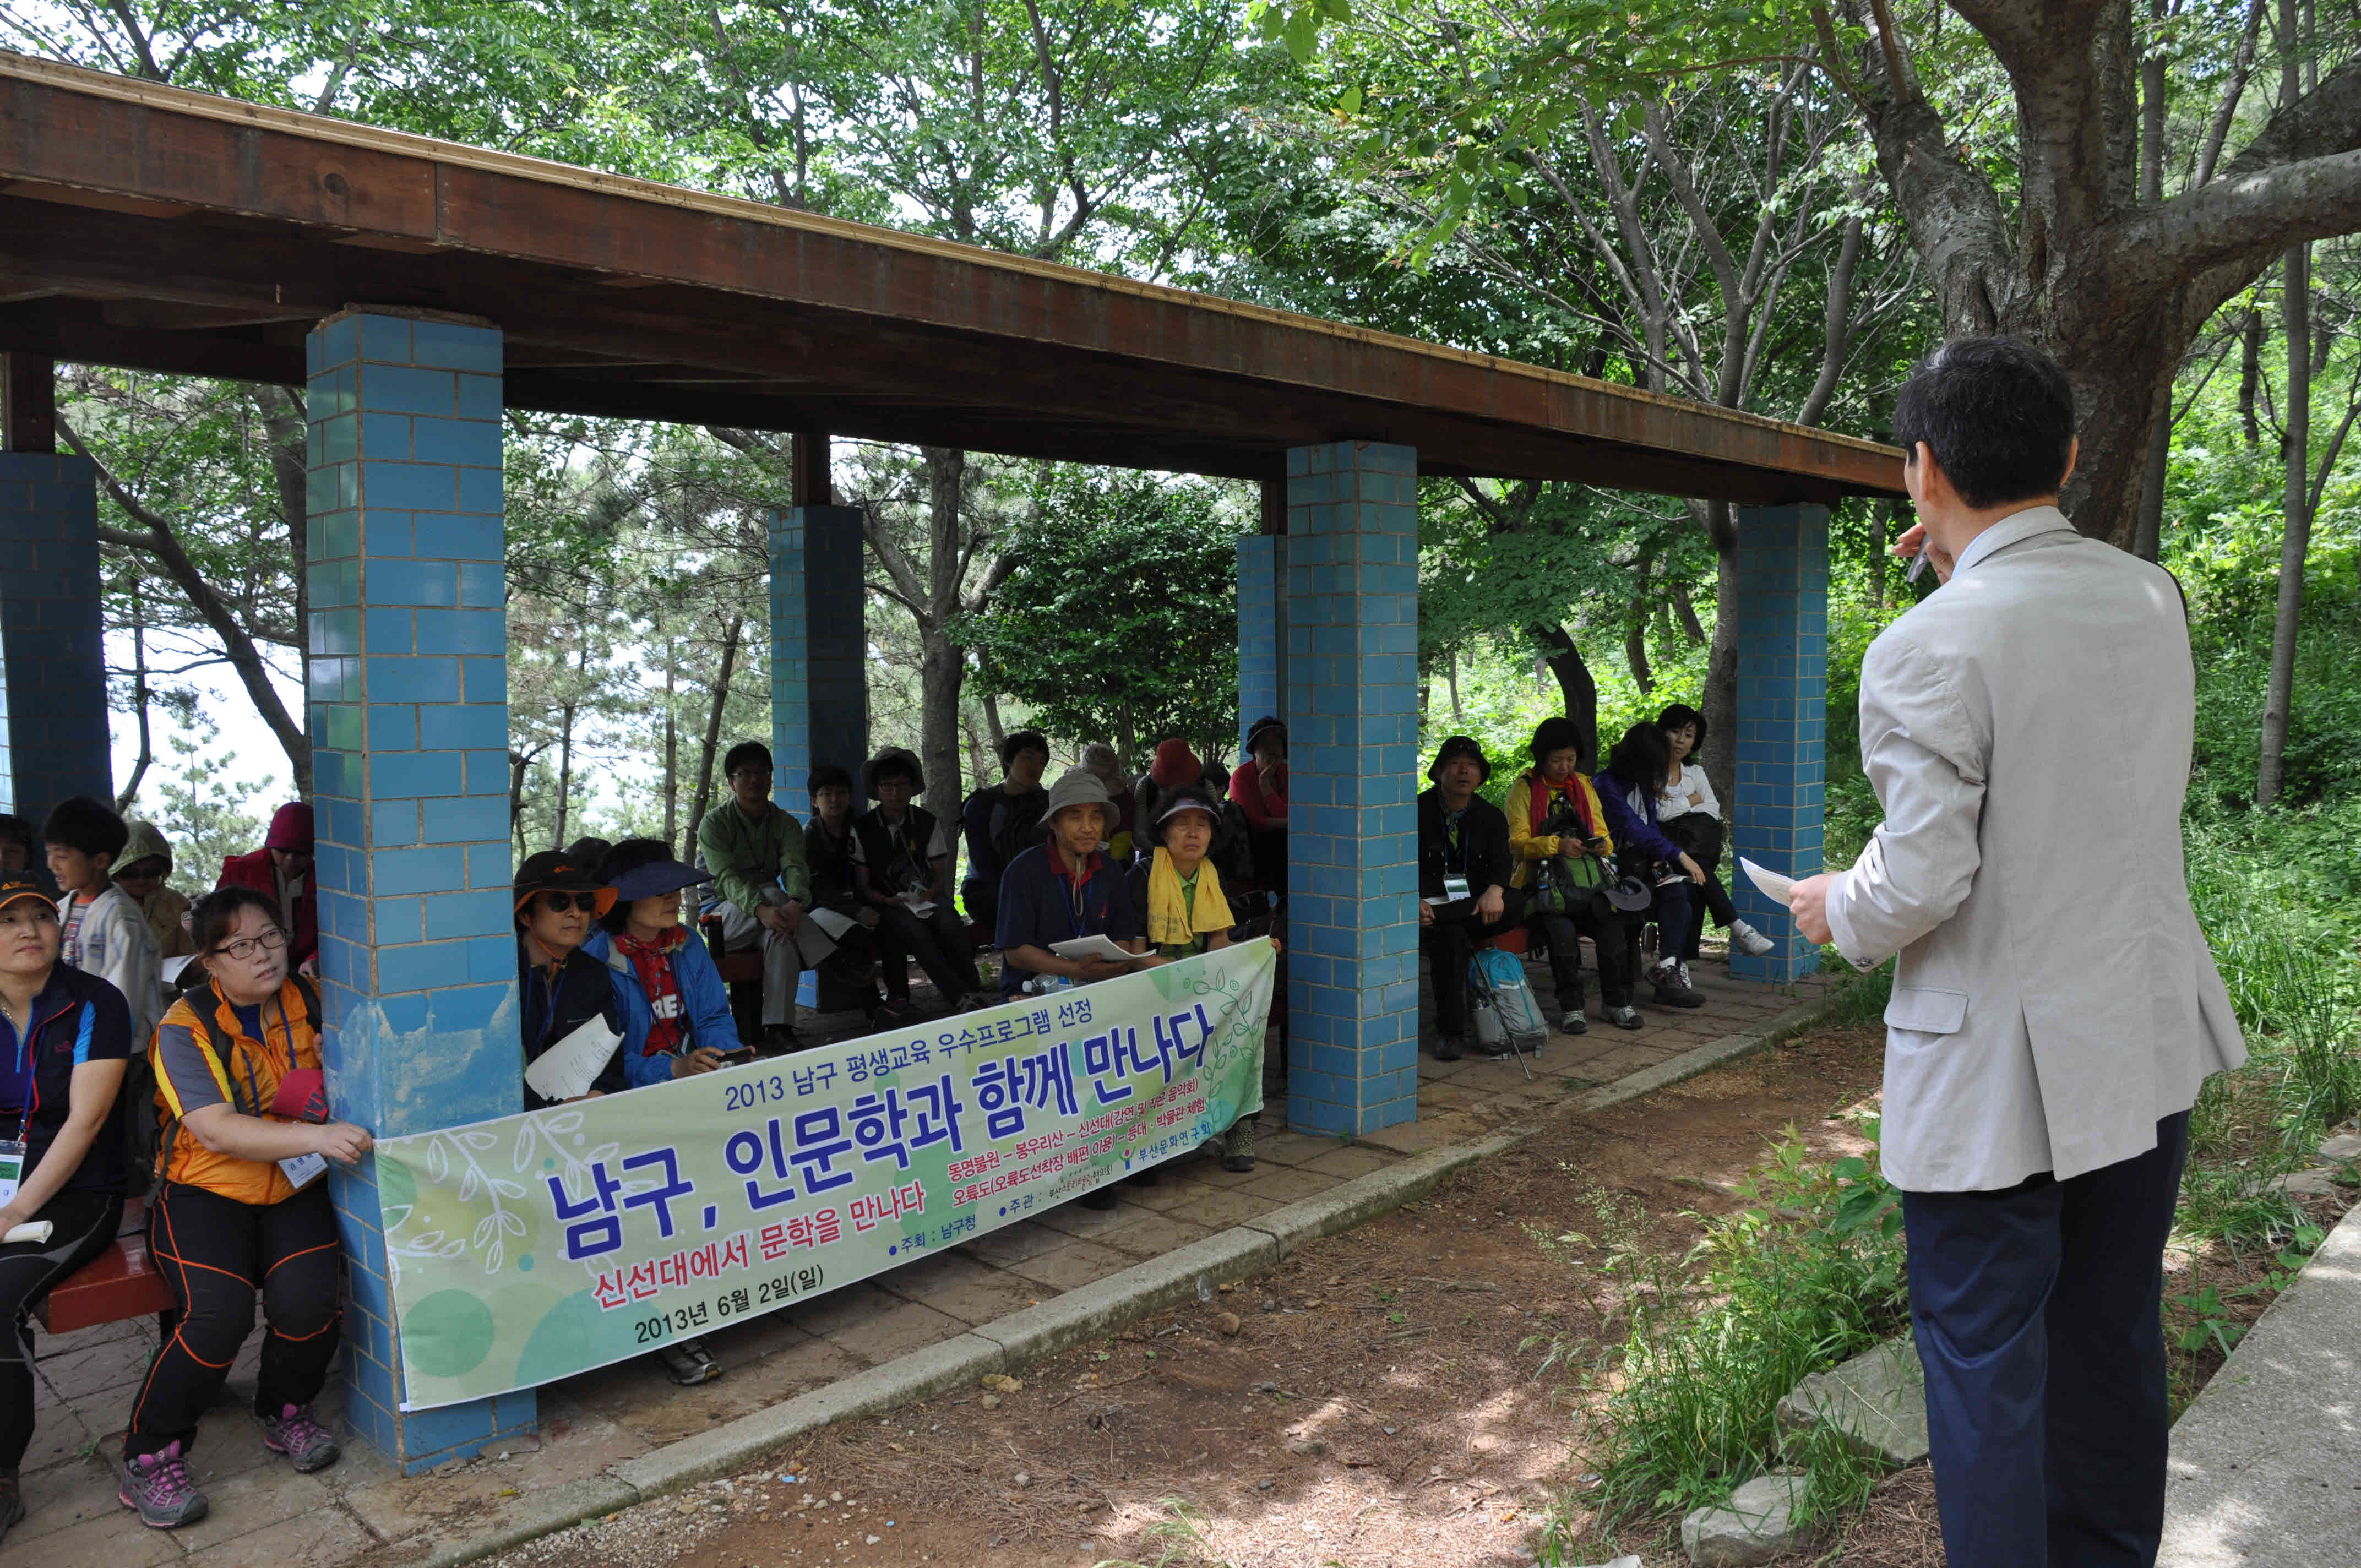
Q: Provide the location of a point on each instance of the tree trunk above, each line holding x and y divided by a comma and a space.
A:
564, 775
1576, 685
704, 796
138, 703
519, 763
1459, 721
1720, 759
942, 668
2250, 375
672, 755
2148, 542
1881, 542
2271, 773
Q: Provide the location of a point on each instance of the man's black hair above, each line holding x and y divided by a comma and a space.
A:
1555, 734
627, 856
1998, 413
16, 830
743, 752
90, 826
826, 776
1023, 741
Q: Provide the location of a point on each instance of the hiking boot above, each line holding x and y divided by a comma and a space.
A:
1670, 990
1238, 1145
12, 1503
1573, 1024
1682, 969
1746, 939
157, 1485
305, 1441
1451, 1047
1625, 1017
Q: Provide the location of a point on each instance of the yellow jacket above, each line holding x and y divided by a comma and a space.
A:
1525, 846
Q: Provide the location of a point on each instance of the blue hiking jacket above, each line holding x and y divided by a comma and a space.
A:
705, 1016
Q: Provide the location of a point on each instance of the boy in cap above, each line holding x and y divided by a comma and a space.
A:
1463, 872
563, 987
146, 862
282, 868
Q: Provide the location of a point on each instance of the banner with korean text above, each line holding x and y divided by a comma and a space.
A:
536, 1246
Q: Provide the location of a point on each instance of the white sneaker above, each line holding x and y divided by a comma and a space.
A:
1682, 969
1749, 940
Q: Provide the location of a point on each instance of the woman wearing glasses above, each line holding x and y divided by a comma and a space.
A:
564, 988
242, 1207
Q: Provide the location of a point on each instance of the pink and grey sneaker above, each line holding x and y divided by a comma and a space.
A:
303, 1440
157, 1485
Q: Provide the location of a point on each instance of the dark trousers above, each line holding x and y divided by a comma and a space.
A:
83, 1225
1455, 934
1701, 836
1671, 914
1609, 940
940, 944
2037, 1313
216, 1254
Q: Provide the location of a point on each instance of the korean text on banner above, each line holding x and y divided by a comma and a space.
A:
536, 1246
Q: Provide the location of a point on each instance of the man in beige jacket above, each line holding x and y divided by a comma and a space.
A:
2055, 1007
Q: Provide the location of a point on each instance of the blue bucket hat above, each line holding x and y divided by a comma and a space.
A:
657, 877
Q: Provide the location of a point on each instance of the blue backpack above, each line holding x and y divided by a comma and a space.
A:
1506, 1015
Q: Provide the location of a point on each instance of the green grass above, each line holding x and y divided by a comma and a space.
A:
1698, 1351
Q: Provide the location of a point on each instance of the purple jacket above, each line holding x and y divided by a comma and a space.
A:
1632, 827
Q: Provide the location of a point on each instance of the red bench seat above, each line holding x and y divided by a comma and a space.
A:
116, 1283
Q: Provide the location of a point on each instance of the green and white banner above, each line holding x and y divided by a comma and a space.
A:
540, 1245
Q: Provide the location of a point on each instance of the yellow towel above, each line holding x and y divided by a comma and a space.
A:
1168, 921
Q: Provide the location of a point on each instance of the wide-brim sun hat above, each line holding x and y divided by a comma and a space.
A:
1078, 788
655, 879
902, 754
1630, 894
1192, 797
553, 871
1459, 746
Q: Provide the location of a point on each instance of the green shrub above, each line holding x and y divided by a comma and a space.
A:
1809, 1273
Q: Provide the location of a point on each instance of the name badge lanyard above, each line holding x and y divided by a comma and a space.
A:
12, 1149
1454, 863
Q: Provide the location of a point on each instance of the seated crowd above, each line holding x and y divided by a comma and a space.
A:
1187, 859
1570, 857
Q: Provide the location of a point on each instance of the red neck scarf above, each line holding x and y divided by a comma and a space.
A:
1539, 807
651, 966
1076, 877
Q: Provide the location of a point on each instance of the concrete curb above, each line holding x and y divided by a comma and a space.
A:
1746, 1042
1094, 1310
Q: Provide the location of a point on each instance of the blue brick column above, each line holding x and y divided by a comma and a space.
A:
819, 649
1783, 699
1259, 632
1351, 717
410, 727
52, 666
820, 659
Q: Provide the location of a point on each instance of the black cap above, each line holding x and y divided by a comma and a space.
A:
15, 886
554, 871
1459, 746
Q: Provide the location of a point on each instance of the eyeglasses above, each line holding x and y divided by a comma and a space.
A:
246, 947
565, 902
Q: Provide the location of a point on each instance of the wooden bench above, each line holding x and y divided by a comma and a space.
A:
116, 1283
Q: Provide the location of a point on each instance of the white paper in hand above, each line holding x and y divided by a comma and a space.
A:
1090, 947
30, 1231
569, 1069
1775, 886
818, 934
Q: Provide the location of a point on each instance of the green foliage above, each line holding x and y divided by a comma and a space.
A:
204, 814
1119, 618
1807, 1274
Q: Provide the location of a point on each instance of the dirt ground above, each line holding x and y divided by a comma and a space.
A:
1372, 1403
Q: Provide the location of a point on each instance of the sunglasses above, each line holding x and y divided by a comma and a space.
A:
565, 902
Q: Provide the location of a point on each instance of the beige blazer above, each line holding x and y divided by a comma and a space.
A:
2055, 998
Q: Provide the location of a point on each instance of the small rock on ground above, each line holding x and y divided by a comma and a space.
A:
1753, 1529
1878, 1399
2342, 1148
2305, 1183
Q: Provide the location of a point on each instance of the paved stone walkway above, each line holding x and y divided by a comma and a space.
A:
265, 1516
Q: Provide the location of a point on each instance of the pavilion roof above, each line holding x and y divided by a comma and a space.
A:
151, 227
